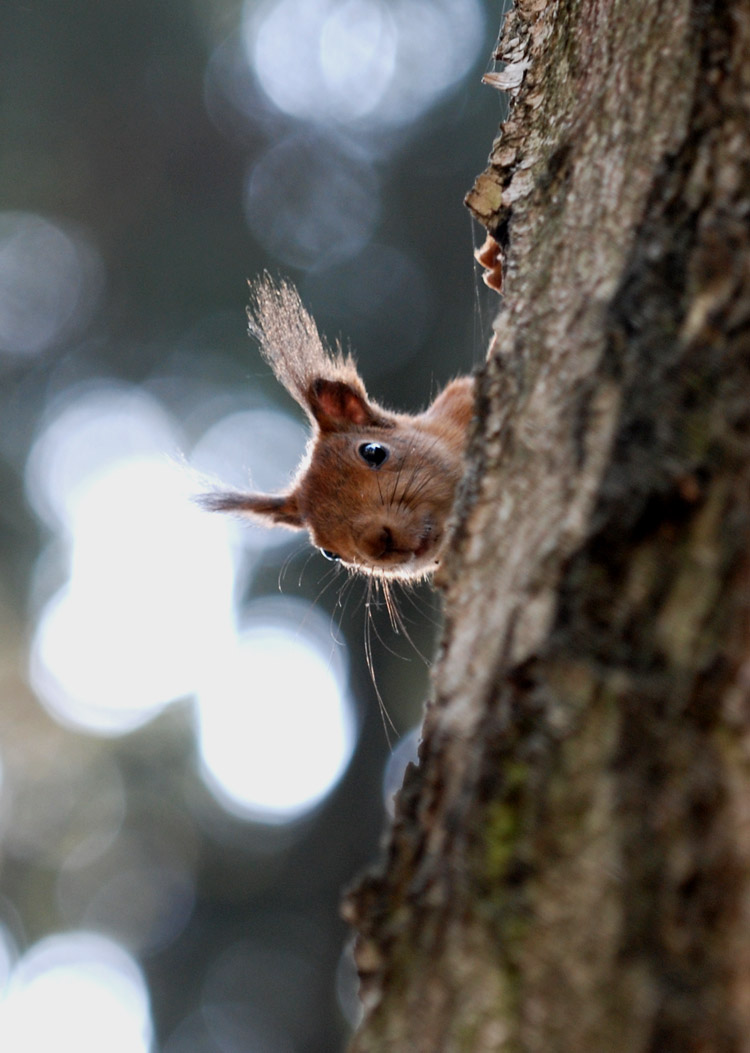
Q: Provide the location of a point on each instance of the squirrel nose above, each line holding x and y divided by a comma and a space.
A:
378, 542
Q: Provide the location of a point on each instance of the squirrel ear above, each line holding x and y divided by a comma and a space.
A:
281, 509
336, 406
456, 401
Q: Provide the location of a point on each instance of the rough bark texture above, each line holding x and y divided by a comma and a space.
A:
569, 868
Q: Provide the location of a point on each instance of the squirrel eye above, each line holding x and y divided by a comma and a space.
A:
333, 556
373, 453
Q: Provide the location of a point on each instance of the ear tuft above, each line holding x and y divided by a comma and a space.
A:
289, 340
337, 405
279, 509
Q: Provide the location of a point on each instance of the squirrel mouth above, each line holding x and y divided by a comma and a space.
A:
424, 546
418, 558
428, 540
417, 553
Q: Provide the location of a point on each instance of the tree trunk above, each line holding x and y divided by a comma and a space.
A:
569, 868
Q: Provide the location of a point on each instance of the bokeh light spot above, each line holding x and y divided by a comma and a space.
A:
357, 56
311, 202
140, 613
375, 64
50, 282
256, 449
76, 991
85, 434
276, 727
7, 958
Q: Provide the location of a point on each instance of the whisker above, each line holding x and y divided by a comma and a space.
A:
393, 617
402, 628
420, 466
385, 585
409, 497
384, 714
394, 488
345, 593
282, 571
407, 588
304, 567
331, 575
380, 489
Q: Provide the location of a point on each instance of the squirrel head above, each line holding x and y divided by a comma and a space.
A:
375, 488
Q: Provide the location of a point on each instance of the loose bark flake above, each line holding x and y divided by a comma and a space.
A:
569, 867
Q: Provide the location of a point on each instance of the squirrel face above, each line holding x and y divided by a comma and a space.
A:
378, 499
376, 488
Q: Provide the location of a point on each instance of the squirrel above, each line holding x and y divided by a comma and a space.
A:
375, 488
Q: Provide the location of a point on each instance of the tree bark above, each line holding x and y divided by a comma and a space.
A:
569, 867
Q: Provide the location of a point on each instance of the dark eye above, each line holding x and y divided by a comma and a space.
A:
373, 453
333, 556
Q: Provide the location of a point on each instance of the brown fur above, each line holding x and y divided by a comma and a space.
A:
291, 344
389, 520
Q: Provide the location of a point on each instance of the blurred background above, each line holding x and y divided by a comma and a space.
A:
193, 758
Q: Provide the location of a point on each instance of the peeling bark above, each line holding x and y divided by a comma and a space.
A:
569, 868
